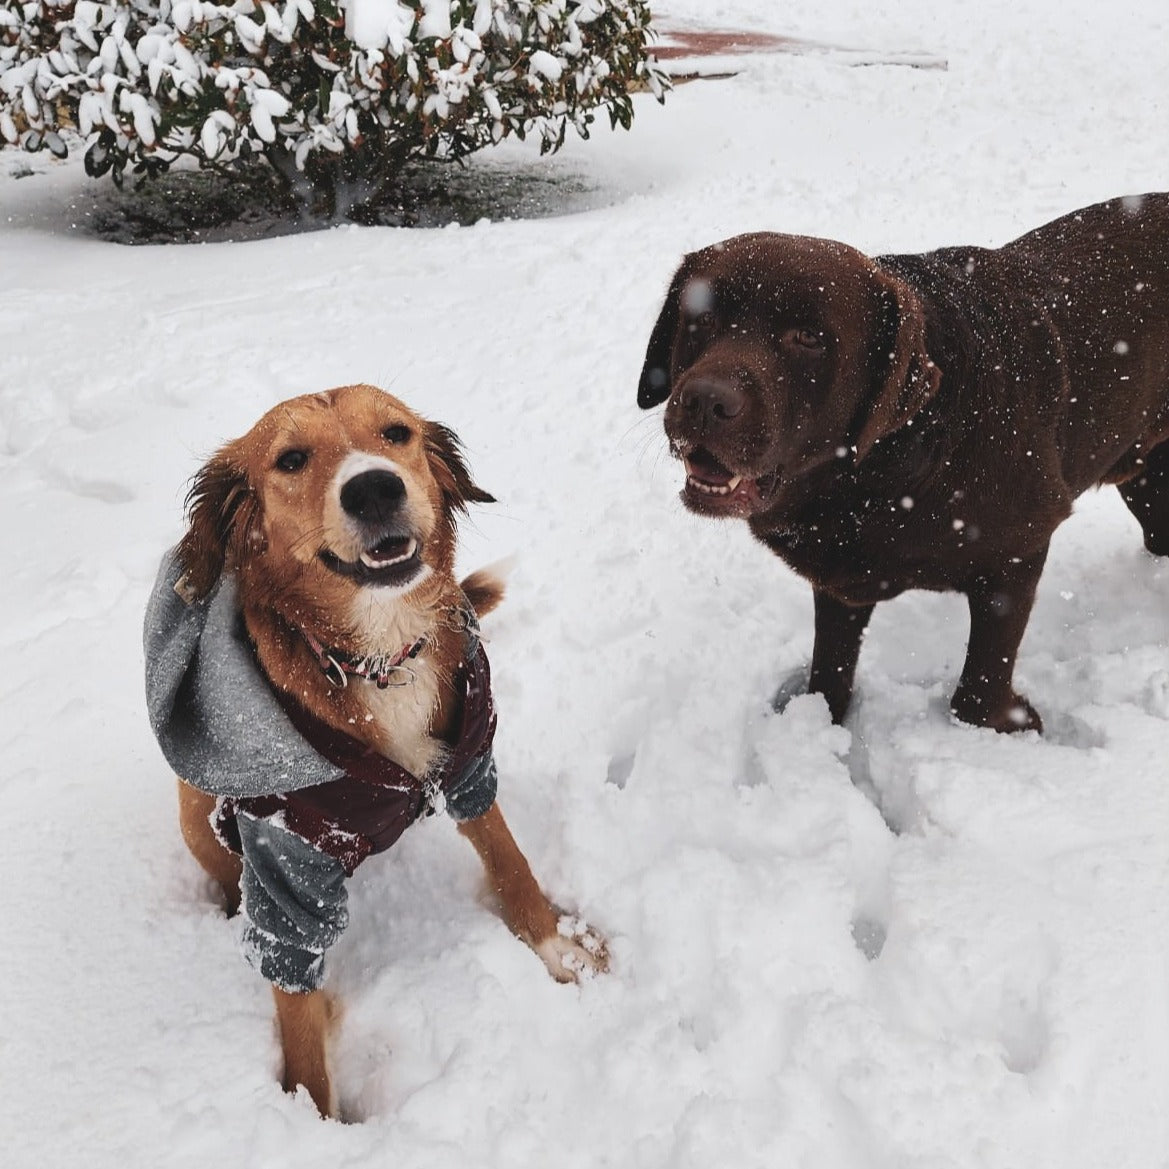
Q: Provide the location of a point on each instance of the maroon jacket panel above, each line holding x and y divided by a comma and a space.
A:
368, 810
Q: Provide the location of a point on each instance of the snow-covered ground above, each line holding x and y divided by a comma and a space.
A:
904, 944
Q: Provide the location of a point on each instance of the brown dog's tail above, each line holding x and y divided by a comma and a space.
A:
485, 587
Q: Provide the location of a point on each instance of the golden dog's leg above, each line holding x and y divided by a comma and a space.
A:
526, 910
305, 1020
566, 946
195, 808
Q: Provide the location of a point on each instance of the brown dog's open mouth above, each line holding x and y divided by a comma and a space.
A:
714, 489
394, 560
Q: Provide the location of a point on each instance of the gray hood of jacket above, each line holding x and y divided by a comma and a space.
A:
211, 709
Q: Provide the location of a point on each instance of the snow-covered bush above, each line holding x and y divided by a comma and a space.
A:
336, 95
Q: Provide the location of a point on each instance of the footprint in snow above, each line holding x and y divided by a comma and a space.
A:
869, 935
105, 490
1156, 696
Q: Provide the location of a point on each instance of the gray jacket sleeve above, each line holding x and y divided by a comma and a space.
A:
469, 796
294, 901
211, 709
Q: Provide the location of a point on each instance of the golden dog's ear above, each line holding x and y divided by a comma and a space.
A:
450, 469
653, 387
906, 378
221, 509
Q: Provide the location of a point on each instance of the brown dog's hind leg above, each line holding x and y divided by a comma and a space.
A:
195, 810
1147, 496
1000, 606
566, 947
840, 629
305, 1020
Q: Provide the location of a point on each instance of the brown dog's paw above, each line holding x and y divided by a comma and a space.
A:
575, 952
1016, 714
1021, 716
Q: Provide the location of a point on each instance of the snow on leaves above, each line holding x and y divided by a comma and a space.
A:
334, 94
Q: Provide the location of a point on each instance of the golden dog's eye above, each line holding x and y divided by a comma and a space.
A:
292, 460
396, 434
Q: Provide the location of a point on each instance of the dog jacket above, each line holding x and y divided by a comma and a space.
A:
301, 802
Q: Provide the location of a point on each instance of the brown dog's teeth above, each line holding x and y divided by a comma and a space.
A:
706, 488
709, 488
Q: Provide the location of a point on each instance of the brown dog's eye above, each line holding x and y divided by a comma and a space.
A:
702, 321
805, 339
396, 434
292, 461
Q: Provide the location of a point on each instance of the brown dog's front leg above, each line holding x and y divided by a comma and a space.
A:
305, 1020
1147, 496
1000, 606
840, 629
565, 946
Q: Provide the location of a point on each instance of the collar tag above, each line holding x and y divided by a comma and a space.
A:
381, 669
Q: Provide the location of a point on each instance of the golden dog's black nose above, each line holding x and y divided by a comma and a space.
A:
373, 496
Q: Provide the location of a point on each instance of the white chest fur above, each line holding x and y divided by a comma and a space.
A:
400, 715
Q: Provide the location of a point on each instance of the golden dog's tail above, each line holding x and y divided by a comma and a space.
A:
485, 587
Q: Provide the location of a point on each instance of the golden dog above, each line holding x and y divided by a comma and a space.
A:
334, 516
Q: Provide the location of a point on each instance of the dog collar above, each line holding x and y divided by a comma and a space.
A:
339, 666
380, 669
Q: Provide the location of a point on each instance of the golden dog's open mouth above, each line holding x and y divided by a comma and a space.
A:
395, 560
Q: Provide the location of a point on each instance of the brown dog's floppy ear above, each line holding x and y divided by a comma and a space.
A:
907, 378
653, 388
450, 469
221, 507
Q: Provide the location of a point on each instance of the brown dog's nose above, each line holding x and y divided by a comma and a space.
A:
712, 402
373, 496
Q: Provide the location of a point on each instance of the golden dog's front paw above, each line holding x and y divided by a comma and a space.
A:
575, 952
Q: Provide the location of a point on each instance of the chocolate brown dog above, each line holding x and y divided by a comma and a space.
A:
922, 421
